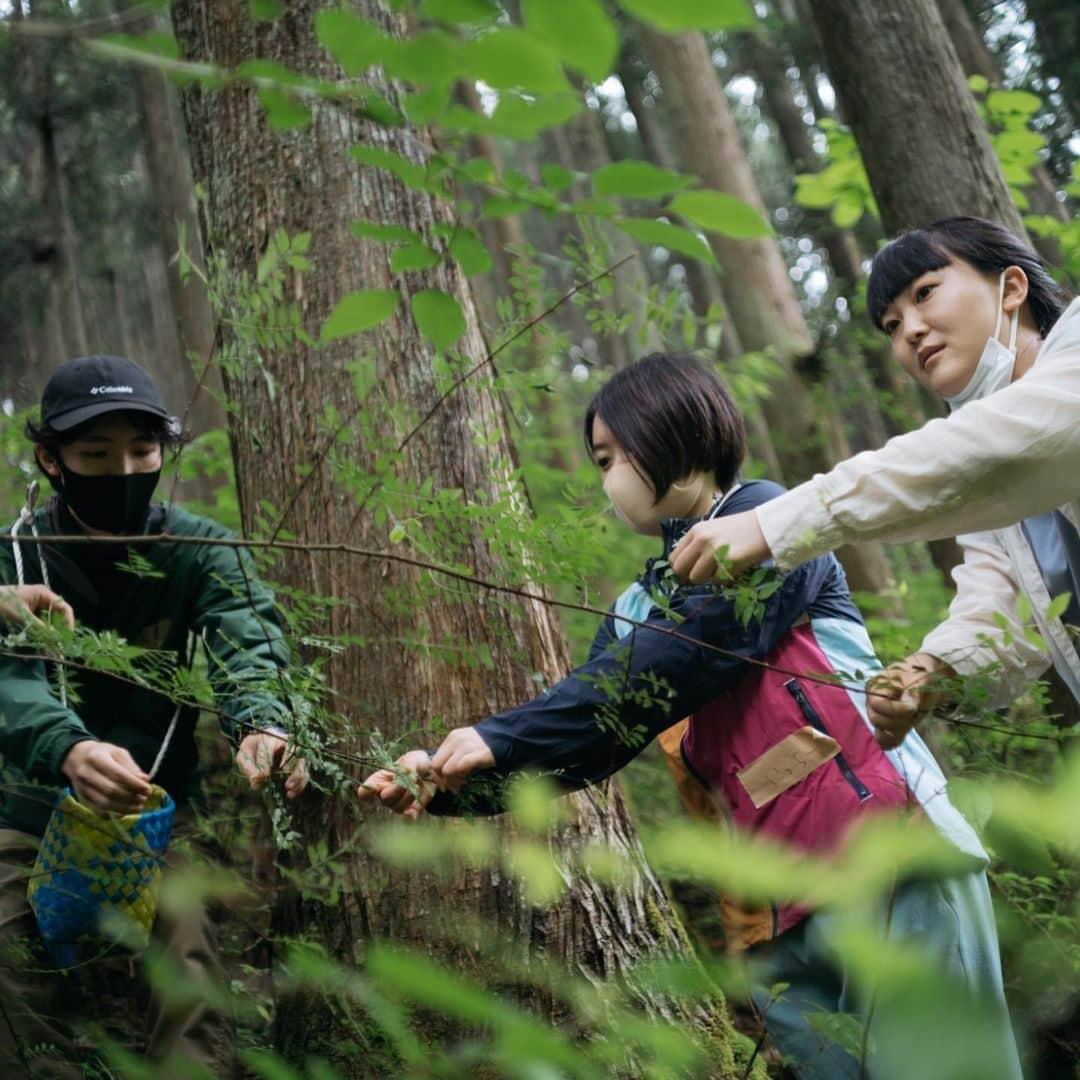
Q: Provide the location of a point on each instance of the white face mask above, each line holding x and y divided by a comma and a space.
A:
634, 500
995, 367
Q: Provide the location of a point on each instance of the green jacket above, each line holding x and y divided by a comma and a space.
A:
189, 589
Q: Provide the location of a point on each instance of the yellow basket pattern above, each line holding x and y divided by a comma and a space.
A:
89, 867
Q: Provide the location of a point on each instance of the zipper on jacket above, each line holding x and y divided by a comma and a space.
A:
810, 713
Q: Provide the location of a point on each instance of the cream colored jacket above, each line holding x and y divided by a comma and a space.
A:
979, 472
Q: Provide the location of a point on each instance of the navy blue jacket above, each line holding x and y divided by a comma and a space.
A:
590, 724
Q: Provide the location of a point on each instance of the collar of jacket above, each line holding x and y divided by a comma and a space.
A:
674, 529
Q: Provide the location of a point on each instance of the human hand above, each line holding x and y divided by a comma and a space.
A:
386, 786
21, 602
901, 695
263, 752
461, 754
694, 558
106, 778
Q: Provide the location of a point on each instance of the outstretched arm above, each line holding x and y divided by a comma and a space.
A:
592, 723
992, 463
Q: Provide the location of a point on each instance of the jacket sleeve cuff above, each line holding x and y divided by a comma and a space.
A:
798, 525
500, 742
1004, 682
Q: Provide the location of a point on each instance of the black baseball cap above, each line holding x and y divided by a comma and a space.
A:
90, 386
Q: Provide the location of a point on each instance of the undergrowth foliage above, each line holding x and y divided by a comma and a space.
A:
1013, 774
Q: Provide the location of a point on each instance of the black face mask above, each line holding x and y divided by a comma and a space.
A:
113, 504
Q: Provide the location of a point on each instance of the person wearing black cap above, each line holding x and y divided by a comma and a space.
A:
100, 441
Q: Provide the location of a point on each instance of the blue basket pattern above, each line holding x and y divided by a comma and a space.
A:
89, 867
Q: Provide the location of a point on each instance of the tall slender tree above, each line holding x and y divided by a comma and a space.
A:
259, 181
886, 62
757, 287
976, 59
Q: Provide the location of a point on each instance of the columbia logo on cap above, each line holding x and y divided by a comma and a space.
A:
112, 390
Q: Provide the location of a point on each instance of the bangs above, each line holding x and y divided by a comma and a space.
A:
898, 264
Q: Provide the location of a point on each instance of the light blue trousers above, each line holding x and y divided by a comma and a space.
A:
946, 1019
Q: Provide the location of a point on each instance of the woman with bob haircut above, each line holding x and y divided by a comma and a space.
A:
788, 756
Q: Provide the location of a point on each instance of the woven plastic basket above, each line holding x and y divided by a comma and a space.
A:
91, 868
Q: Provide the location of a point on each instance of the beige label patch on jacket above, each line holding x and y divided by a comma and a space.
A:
782, 766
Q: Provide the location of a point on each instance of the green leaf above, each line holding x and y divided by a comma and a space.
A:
534, 865
533, 803
427, 105
1018, 102
524, 118
283, 110
470, 252
673, 237
408, 172
674, 15
503, 206
578, 30
353, 42
414, 257
431, 56
979, 84
813, 191
555, 177
388, 234
1058, 606
1019, 144
266, 10
459, 11
152, 44
267, 1065
973, 800
509, 57
359, 311
1024, 610
270, 71
722, 213
638, 179
847, 210
439, 317
479, 170
1020, 845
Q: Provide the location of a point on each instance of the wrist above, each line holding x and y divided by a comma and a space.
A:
931, 664
74, 756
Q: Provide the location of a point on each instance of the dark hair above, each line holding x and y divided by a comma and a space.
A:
672, 417
165, 430
987, 246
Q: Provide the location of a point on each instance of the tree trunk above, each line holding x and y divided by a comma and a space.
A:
258, 181
701, 280
976, 59
170, 179
756, 284
886, 62
1057, 34
769, 64
67, 294
580, 145
503, 235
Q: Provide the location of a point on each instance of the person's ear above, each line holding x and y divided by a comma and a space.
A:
47, 462
1016, 290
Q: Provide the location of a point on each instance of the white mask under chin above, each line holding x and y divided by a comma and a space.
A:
995, 367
